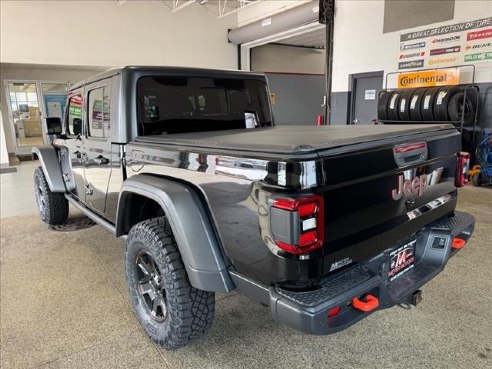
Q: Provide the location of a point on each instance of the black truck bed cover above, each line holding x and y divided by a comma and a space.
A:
296, 140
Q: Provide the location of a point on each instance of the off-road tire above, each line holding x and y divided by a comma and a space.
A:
415, 104
456, 105
427, 110
442, 102
53, 207
404, 104
394, 105
189, 311
383, 105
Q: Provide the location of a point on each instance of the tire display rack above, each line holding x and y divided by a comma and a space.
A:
401, 113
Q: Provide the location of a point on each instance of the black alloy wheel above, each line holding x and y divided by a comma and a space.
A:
149, 284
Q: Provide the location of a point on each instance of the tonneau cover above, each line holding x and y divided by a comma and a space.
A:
292, 140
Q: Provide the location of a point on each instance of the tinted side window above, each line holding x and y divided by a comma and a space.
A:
75, 114
99, 113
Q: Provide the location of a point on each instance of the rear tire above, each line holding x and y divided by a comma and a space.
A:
171, 311
53, 207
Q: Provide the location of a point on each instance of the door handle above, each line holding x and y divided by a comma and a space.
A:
101, 160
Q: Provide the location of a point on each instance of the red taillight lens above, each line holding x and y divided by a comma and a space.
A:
298, 227
462, 166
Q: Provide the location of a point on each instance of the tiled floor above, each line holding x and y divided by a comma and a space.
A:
16, 191
64, 304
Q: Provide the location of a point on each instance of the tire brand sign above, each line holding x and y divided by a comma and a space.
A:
429, 78
478, 57
447, 45
417, 45
447, 50
411, 64
478, 35
446, 39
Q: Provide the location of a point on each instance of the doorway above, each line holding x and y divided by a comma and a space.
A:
365, 91
30, 102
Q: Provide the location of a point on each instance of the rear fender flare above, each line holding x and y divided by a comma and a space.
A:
48, 158
192, 228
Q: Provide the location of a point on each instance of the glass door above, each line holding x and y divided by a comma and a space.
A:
25, 114
54, 96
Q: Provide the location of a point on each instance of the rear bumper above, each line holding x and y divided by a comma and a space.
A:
308, 311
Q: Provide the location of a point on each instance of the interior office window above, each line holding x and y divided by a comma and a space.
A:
75, 114
99, 113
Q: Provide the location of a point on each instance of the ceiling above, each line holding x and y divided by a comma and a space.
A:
53, 67
314, 39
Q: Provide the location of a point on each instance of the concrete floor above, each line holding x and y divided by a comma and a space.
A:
64, 304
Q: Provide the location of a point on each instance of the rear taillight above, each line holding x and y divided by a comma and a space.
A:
462, 166
297, 225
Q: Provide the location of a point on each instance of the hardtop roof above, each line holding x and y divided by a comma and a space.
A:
168, 71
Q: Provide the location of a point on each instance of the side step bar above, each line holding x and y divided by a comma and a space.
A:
90, 214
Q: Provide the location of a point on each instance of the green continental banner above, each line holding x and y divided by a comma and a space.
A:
478, 56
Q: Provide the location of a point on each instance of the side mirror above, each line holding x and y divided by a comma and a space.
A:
54, 125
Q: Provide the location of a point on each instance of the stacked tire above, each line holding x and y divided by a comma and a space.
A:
443, 104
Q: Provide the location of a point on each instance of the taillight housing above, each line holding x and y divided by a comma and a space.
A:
462, 166
297, 225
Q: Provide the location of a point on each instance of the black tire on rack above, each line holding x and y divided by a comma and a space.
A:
441, 102
404, 104
415, 104
393, 105
457, 104
427, 104
383, 105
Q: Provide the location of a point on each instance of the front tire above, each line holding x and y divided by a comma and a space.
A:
53, 207
171, 311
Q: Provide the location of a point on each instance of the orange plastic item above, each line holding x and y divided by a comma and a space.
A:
371, 303
458, 243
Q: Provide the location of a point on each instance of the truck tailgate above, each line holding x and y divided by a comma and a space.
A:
380, 196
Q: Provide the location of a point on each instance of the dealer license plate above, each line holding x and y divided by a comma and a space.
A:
401, 260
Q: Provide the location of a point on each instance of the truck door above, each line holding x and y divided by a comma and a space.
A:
98, 145
75, 142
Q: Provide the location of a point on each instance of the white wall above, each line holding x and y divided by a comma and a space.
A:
264, 9
4, 156
360, 45
107, 34
287, 59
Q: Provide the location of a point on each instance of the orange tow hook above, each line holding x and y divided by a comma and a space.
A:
371, 303
458, 243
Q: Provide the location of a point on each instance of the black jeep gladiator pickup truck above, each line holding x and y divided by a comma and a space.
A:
324, 225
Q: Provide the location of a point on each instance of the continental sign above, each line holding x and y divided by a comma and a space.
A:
430, 78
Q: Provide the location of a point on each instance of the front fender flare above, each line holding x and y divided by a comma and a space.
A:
198, 245
48, 158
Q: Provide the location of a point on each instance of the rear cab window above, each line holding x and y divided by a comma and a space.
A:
168, 105
98, 114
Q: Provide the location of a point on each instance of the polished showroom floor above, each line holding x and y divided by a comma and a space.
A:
64, 304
